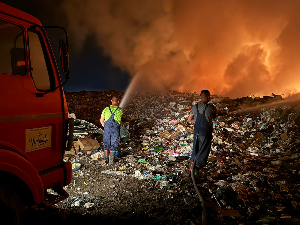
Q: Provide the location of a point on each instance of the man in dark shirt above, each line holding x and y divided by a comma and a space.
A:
201, 115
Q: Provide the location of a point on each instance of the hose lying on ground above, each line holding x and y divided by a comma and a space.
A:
199, 194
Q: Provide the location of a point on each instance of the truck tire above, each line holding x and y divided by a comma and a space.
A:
10, 206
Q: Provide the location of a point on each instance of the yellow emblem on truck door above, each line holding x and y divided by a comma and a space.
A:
38, 138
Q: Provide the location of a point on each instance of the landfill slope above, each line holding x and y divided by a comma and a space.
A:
252, 175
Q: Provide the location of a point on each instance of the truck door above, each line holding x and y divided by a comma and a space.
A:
29, 124
44, 74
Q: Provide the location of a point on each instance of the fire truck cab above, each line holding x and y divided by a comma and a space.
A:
34, 123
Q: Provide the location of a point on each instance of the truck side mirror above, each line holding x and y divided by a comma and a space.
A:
18, 61
64, 58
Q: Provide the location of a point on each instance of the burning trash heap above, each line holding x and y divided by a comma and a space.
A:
252, 174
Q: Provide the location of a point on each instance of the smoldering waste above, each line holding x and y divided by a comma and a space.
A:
252, 174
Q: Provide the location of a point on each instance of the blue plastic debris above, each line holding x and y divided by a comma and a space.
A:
145, 173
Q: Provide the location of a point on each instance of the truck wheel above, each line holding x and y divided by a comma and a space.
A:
10, 206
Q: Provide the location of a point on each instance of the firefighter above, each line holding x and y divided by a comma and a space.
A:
111, 120
201, 115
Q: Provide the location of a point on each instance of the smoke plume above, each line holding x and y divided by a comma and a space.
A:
233, 47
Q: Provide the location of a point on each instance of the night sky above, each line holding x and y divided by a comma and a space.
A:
90, 68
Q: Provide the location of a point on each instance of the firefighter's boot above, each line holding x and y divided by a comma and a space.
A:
112, 157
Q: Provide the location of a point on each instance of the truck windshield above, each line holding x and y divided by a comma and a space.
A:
12, 53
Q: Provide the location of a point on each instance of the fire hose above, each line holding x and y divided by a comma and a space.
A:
198, 193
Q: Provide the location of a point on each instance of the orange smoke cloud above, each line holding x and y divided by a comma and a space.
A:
233, 48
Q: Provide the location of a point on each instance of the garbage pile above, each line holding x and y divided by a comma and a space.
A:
252, 175
254, 165
82, 128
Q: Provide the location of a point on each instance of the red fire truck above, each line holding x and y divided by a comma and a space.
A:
34, 123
